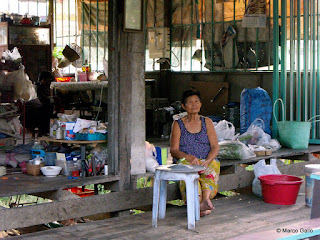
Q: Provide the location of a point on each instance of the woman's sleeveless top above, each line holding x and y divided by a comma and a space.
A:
196, 144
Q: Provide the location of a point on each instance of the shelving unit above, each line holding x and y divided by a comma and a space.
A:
33, 43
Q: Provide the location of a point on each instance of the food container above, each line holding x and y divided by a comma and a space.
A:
51, 171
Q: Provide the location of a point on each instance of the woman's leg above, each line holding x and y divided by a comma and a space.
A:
209, 185
205, 202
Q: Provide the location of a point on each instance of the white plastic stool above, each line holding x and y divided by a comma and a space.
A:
188, 173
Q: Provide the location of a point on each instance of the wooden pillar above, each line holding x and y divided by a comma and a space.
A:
50, 18
165, 72
126, 97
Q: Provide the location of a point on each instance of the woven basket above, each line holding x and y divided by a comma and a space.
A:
293, 134
34, 170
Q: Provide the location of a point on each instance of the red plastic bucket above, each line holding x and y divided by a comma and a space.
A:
280, 189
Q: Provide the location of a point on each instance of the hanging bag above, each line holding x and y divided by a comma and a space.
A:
293, 134
261, 168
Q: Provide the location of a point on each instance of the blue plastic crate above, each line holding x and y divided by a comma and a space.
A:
37, 152
91, 136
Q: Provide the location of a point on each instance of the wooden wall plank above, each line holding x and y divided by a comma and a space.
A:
62, 210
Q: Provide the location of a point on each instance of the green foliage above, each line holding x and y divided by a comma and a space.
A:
101, 189
144, 182
249, 168
57, 52
135, 211
229, 193
21, 200
177, 202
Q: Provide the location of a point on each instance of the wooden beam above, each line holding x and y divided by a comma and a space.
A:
62, 210
113, 88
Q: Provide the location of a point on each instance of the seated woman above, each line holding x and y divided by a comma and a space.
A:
194, 141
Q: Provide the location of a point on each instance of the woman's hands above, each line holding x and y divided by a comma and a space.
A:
195, 161
206, 163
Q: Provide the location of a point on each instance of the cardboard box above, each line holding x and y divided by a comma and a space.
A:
263, 153
7, 143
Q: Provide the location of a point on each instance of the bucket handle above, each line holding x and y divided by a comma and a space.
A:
280, 100
314, 120
274, 106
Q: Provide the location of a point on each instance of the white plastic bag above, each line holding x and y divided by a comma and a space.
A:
11, 55
234, 150
273, 145
225, 130
255, 134
151, 161
259, 169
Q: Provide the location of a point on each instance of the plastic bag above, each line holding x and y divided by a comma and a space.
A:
255, 103
234, 150
225, 130
68, 118
259, 169
19, 82
273, 145
255, 134
151, 154
11, 55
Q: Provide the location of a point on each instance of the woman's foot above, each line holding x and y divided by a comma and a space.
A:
204, 213
206, 205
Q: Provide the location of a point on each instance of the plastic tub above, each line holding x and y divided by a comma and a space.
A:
280, 189
50, 159
310, 168
81, 193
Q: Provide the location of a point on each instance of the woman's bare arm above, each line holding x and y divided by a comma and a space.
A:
175, 143
212, 136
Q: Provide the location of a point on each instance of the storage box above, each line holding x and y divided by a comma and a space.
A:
263, 153
7, 143
91, 136
78, 191
82, 77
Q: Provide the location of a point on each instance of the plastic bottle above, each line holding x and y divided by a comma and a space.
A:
75, 169
59, 133
37, 145
69, 168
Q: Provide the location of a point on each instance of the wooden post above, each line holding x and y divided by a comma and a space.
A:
126, 95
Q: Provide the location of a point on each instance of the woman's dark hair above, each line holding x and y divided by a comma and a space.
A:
189, 93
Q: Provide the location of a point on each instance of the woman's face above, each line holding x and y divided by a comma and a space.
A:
193, 104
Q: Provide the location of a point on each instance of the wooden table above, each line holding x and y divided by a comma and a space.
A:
52, 188
83, 145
